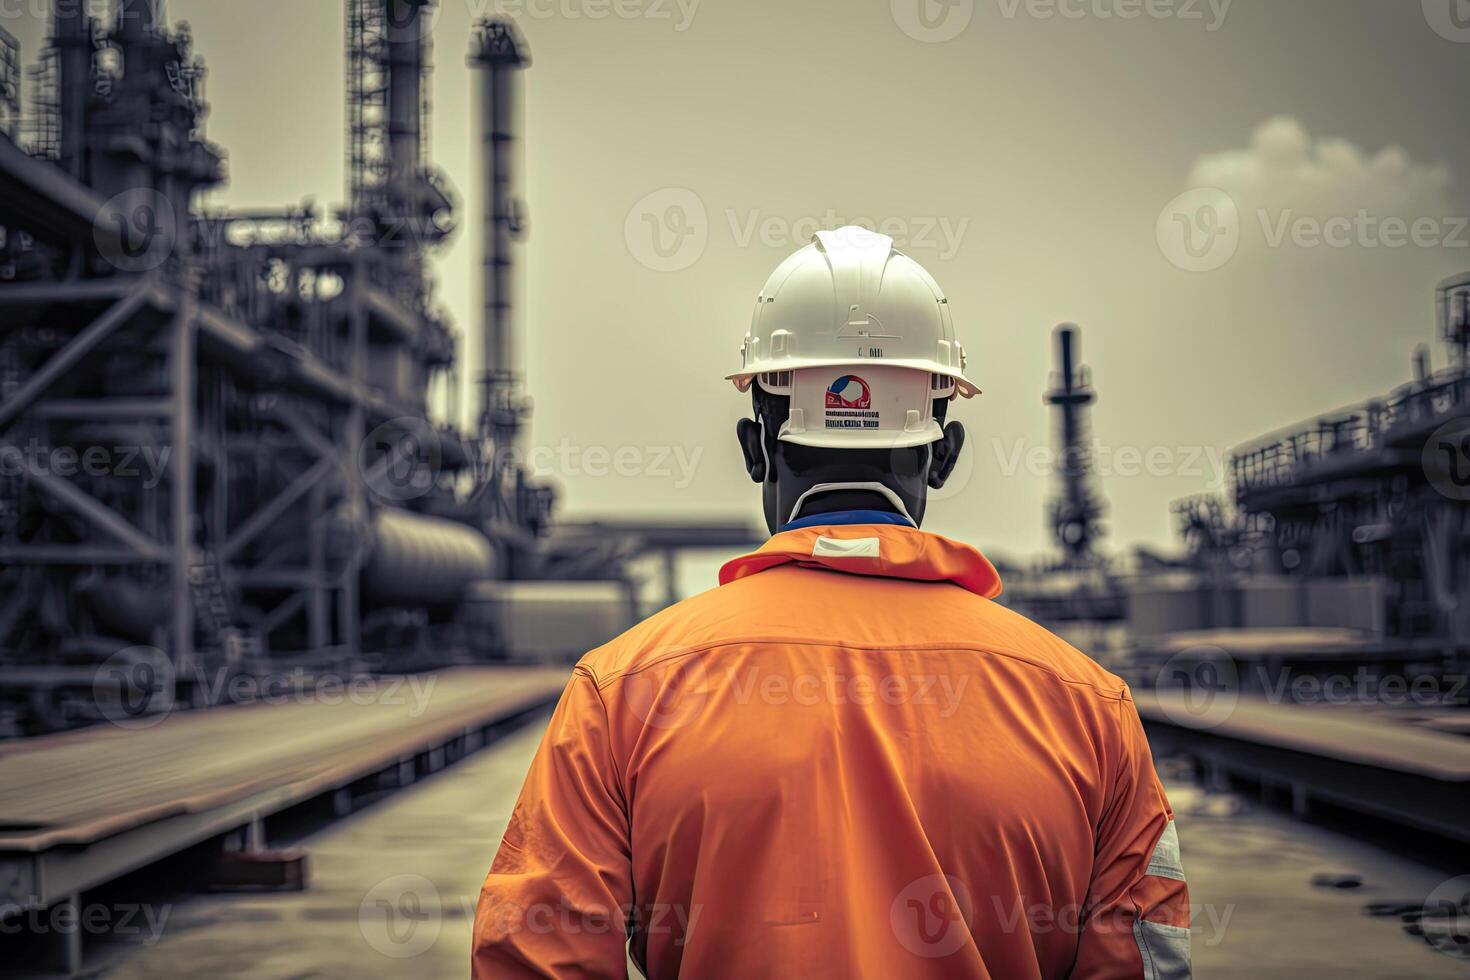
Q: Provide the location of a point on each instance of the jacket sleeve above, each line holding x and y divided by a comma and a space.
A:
556, 901
1135, 923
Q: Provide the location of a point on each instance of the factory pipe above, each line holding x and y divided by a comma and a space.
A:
71, 33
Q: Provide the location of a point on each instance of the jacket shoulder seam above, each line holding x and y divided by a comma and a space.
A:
1120, 694
617, 769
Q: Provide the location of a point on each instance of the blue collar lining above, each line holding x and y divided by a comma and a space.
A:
849, 517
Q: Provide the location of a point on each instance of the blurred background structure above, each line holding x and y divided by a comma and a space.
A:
268, 375
223, 481
259, 572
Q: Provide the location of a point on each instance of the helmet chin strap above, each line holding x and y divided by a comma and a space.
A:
872, 487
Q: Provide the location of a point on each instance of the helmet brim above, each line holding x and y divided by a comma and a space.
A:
858, 439
963, 385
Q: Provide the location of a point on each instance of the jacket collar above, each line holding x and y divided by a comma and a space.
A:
885, 550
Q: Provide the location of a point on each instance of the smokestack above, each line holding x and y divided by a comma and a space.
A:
1068, 351
1075, 513
407, 30
500, 54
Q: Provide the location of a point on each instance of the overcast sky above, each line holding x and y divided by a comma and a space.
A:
1026, 152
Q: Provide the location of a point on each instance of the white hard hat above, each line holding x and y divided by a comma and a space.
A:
860, 337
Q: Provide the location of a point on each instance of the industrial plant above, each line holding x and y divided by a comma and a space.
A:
232, 467
220, 453
1308, 643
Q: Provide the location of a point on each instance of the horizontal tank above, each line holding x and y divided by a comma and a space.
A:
420, 560
551, 622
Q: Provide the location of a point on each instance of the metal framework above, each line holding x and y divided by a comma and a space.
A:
216, 453
9, 84
202, 416
1375, 489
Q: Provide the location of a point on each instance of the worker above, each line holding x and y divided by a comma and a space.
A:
848, 760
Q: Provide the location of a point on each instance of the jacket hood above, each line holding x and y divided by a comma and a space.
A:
884, 550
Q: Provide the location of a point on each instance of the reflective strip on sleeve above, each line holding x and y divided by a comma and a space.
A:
1165, 861
1164, 948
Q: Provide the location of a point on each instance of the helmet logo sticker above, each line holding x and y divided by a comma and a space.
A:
849, 391
850, 404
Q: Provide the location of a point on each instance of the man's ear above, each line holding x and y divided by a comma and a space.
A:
946, 451
749, 432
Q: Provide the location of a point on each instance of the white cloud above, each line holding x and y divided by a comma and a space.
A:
1284, 167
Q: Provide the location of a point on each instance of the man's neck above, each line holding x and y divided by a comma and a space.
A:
848, 506
835, 501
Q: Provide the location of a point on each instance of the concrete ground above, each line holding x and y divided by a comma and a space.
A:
1257, 915
392, 892
394, 887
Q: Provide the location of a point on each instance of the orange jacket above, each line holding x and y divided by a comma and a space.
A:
808, 774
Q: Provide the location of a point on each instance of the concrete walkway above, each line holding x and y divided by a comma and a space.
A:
394, 888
